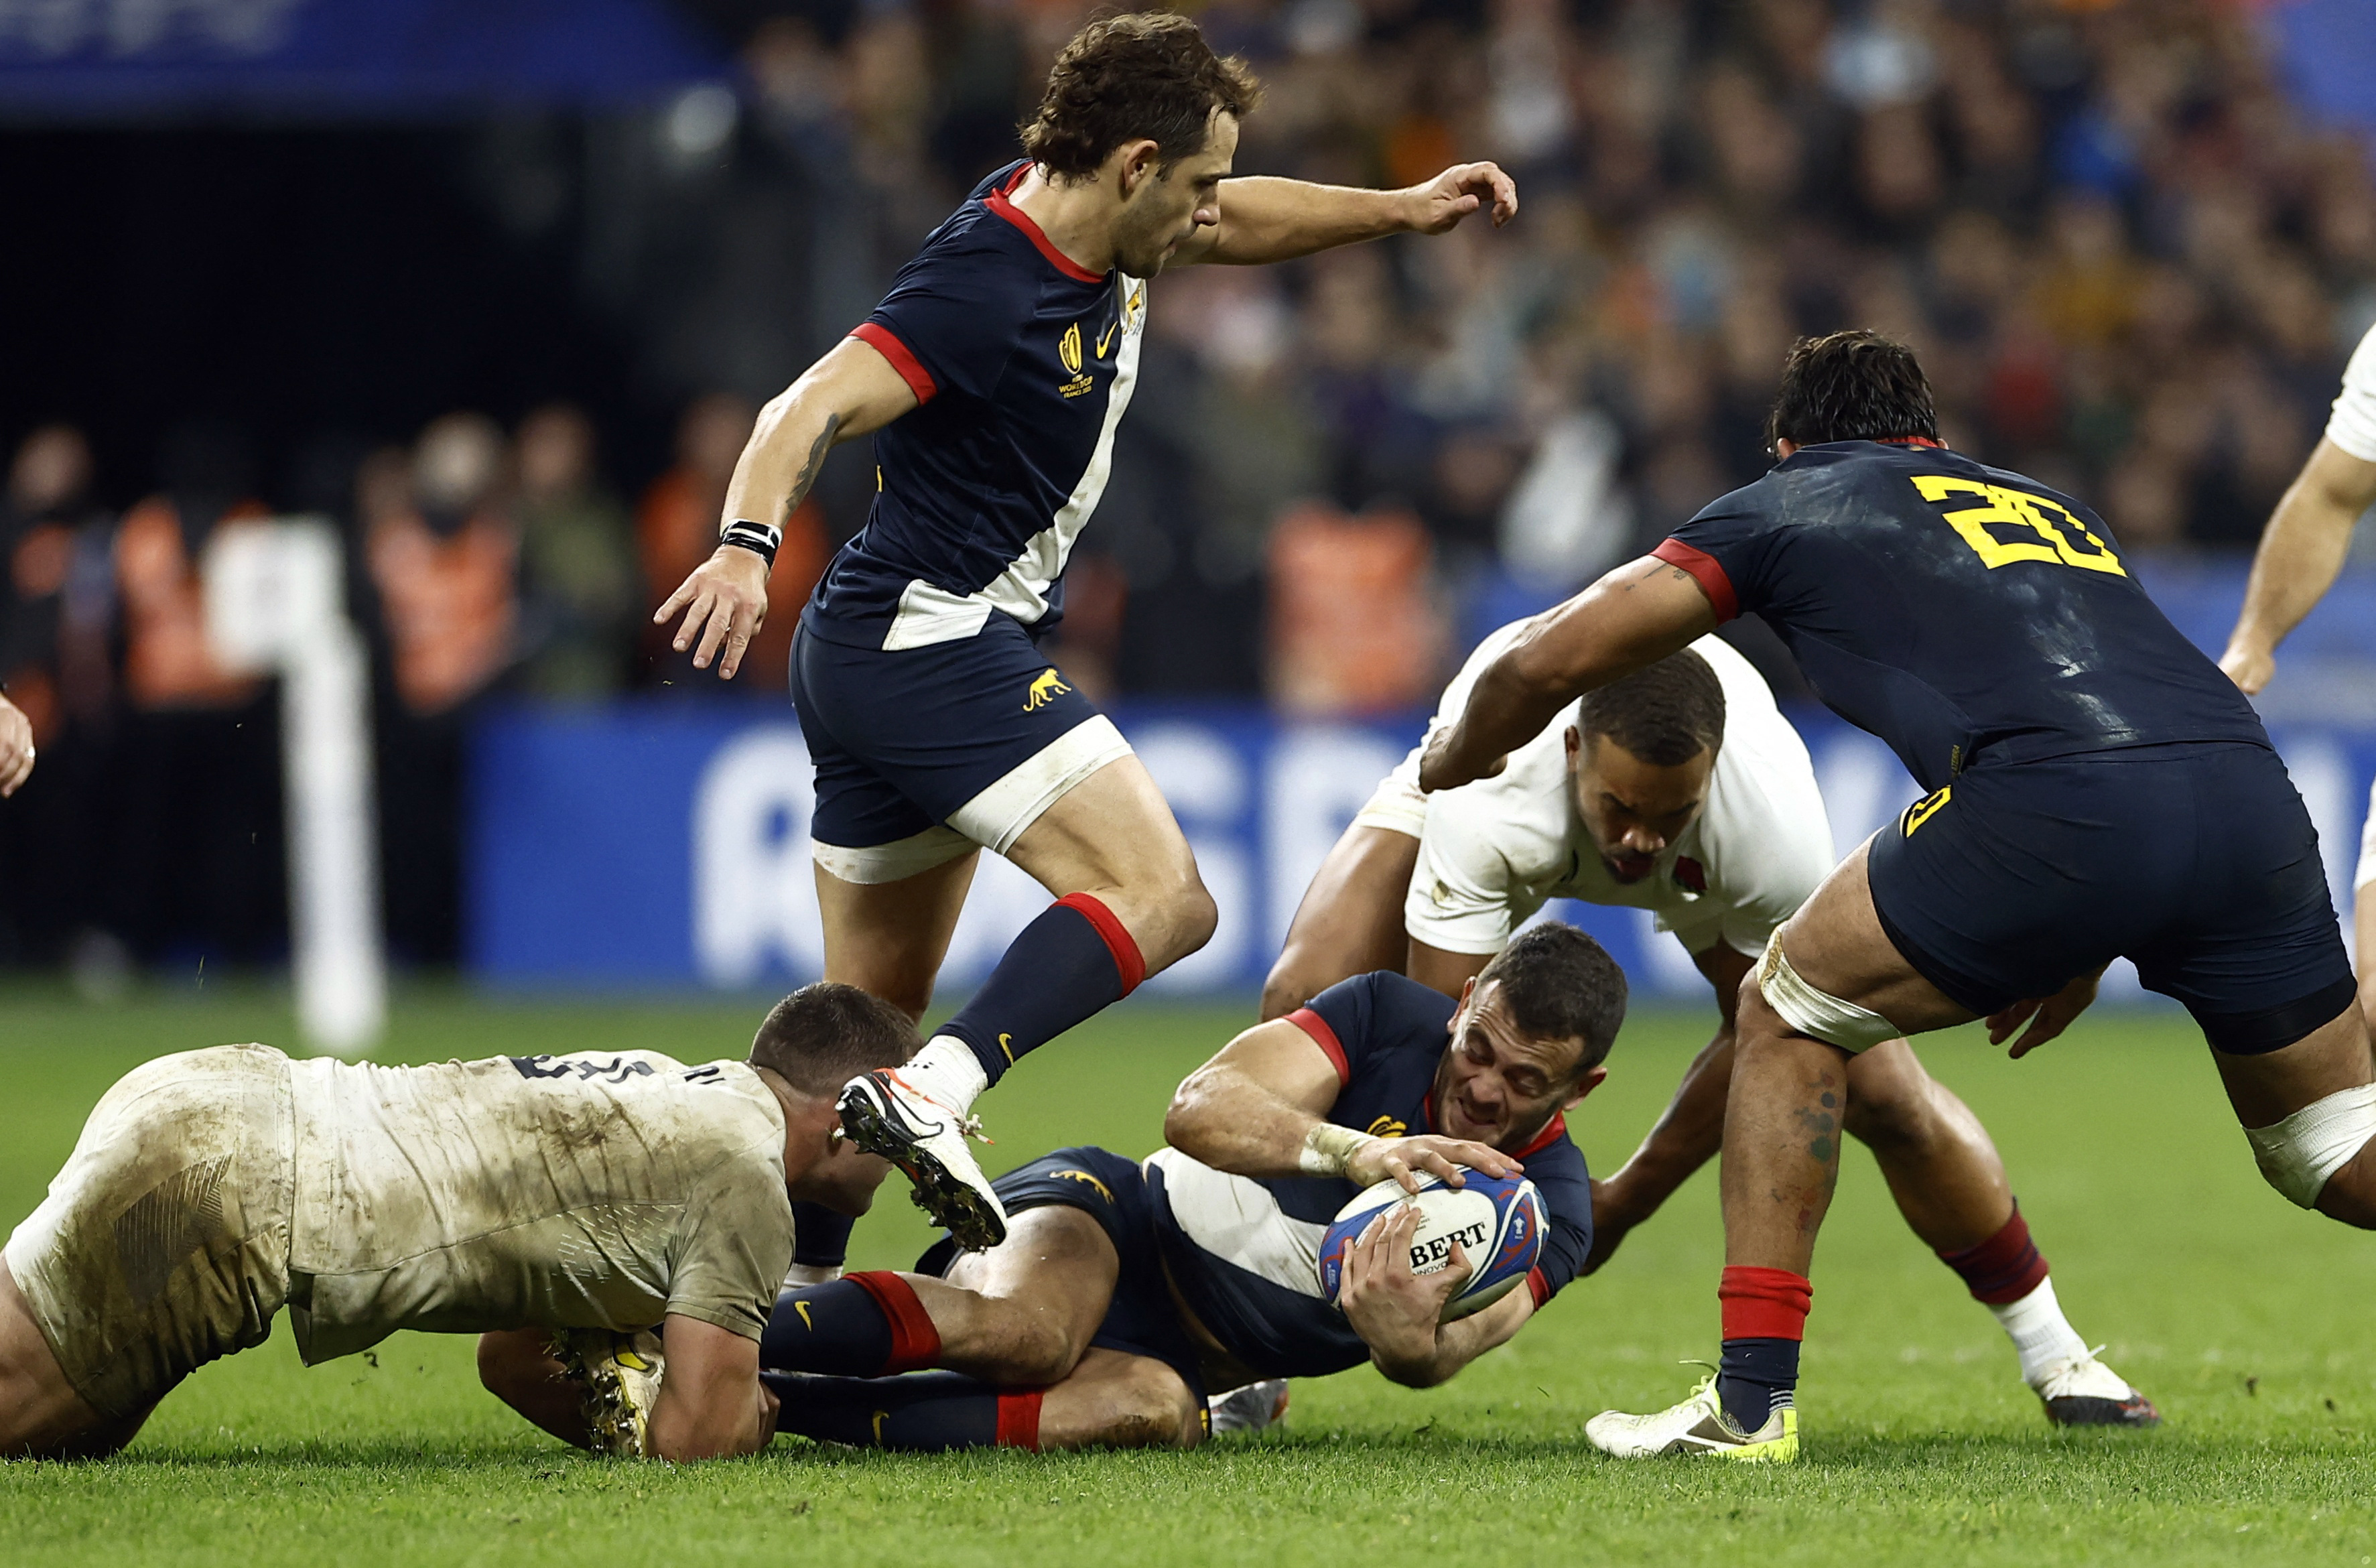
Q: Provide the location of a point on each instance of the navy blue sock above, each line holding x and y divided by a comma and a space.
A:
820, 1236
835, 1327
1754, 1376
1070, 963
922, 1412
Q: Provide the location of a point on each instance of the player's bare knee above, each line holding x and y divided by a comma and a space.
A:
1889, 1102
510, 1361
1153, 1409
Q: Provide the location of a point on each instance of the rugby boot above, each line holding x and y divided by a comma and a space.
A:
618, 1381
1698, 1425
2084, 1392
1255, 1407
884, 1114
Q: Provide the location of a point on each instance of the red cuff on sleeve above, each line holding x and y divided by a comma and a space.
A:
1538, 1286
1706, 573
885, 341
1315, 1026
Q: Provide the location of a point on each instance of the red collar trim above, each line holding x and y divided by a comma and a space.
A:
1908, 440
996, 201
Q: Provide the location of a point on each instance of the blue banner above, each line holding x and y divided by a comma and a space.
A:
660, 845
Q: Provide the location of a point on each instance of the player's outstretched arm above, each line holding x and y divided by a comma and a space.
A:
1635, 615
711, 1402
1399, 1314
2300, 554
1260, 1107
16, 748
852, 391
1265, 218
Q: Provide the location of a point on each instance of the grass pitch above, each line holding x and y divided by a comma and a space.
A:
2244, 1318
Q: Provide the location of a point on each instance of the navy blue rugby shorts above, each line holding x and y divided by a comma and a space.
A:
2197, 862
1140, 1320
923, 753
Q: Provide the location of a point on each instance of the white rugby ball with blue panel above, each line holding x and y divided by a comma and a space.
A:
1497, 1220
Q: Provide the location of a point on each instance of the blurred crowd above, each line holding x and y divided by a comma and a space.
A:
2133, 269
484, 564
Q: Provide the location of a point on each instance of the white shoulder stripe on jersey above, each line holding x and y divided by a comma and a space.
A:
928, 615
1237, 1220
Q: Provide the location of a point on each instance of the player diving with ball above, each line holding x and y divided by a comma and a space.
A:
566, 1207
1682, 790
2097, 789
1125, 1292
993, 376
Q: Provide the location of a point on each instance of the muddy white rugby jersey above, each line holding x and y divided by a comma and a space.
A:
598, 1191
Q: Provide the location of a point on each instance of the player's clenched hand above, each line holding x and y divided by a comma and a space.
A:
1408, 1159
2046, 1017
1394, 1310
724, 601
1452, 196
2249, 667
16, 747
1442, 765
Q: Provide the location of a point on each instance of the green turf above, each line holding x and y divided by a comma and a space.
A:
2247, 1320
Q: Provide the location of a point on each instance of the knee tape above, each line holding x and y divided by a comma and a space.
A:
2298, 1154
1817, 1013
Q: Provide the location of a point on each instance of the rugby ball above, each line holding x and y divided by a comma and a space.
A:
1498, 1221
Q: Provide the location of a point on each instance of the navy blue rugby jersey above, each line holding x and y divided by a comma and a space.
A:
1245, 1252
1962, 614
1022, 365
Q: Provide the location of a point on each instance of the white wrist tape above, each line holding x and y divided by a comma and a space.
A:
1326, 1148
1817, 1013
2298, 1154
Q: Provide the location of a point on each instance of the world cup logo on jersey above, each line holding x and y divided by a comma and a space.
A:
1068, 350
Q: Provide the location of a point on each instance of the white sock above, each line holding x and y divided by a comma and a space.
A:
2039, 1332
948, 1071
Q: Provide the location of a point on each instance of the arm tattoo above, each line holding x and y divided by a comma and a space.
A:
817, 449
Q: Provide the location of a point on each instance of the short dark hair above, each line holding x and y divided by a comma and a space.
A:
1854, 385
1558, 983
1666, 713
824, 1035
1140, 74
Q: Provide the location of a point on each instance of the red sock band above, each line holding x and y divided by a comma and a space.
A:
1129, 962
2003, 1268
1018, 1420
914, 1341
1765, 1303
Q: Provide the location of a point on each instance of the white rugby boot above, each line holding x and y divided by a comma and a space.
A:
1255, 1407
618, 1381
2084, 1392
884, 1113
1698, 1425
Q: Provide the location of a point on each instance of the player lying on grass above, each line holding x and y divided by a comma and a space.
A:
1123, 1293
1683, 790
591, 1197
2097, 789
995, 376
2301, 556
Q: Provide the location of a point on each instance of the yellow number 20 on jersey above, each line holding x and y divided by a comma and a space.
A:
2050, 528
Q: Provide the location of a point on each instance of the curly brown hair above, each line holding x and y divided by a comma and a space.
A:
1138, 74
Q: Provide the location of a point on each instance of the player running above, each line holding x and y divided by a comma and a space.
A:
2097, 789
2300, 554
598, 1196
997, 371
1123, 1293
1683, 790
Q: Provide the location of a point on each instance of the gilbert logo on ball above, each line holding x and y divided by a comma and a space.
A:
1498, 1222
